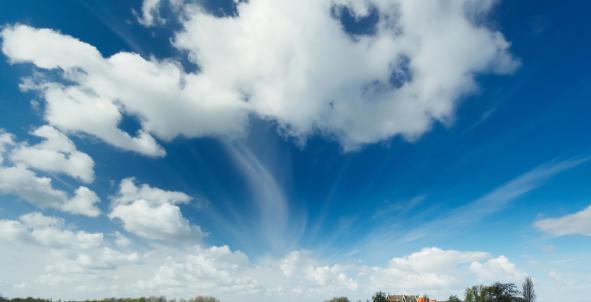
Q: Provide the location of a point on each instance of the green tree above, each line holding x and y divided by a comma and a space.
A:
339, 299
529, 294
503, 292
204, 299
453, 298
379, 297
477, 293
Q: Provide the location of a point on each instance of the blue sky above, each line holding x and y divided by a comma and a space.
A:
268, 150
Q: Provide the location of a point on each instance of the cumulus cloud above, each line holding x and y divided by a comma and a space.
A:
311, 77
307, 272
45, 251
497, 269
152, 213
129, 192
202, 269
574, 224
165, 100
436, 269
314, 77
56, 153
39, 191
47, 231
150, 13
163, 221
300, 276
83, 202
6, 141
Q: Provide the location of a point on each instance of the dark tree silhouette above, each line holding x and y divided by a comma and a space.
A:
529, 295
204, 299
453, 298
477, 293
503, 292
339, 299
379, 297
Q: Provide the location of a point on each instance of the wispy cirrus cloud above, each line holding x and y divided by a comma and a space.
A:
272, 219
453, 221
496, 200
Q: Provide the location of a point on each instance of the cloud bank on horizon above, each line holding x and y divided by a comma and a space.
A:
294, 64
98, 264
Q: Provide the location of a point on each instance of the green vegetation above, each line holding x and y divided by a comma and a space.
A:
339, 299
379, 297
141, 299
529, 295
497, 292
453, 298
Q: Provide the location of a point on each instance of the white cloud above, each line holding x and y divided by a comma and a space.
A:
72, 108
62, 257
122, 240
56, 153
574, 224
103, 258
6, 141
76, 110
150, 13
165, 99
311, 77
202, 270
299, 276
163, 222
435, 259
497, 270
48, 50
435, 269
39, 191
129, 192
48, 231
26, 185
152, 213
45, 252
83, 202
301, 268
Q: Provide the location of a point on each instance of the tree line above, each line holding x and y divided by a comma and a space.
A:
140, 299
497, 292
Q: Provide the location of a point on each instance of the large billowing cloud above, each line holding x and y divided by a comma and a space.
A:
573, 224
55, 154
292, 62
152, 213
